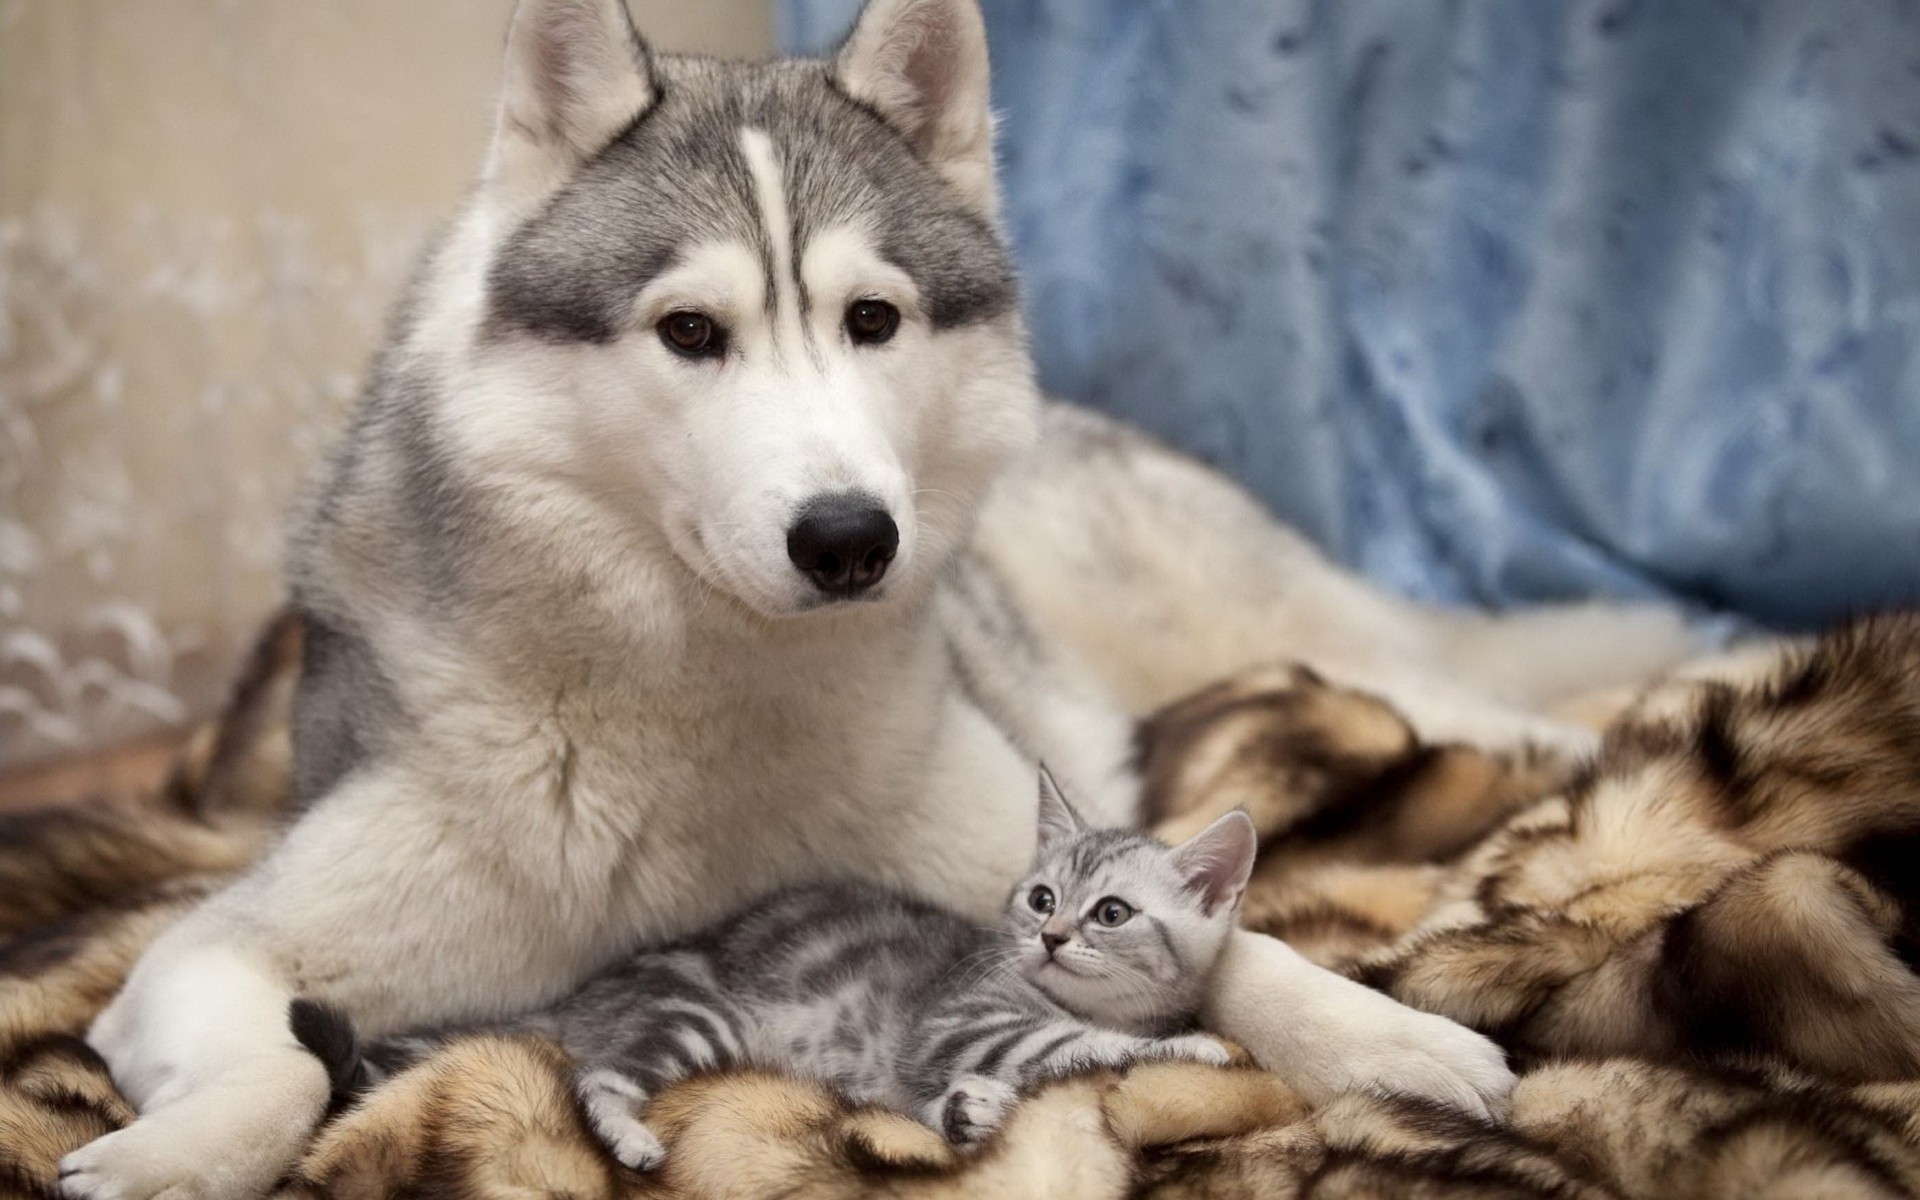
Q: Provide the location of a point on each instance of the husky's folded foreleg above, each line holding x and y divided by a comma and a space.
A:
1325, 1034
200, 1042
373, 904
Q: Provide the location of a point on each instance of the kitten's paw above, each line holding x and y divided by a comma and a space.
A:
1193, 1047
973, 1108
611, 1100
635, 1145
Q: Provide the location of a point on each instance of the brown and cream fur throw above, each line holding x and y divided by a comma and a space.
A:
1699, 948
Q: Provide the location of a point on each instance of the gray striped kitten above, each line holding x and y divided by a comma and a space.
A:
1098, 961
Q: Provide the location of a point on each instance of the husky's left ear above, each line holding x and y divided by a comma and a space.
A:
922, 65
576, 75
1216, 861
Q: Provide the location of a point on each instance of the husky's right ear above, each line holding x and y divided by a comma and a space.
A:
1057, 818
576, 74
922, 65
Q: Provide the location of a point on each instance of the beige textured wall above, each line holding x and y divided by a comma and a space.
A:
206, 207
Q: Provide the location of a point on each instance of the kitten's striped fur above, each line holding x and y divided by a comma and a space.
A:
900, 1003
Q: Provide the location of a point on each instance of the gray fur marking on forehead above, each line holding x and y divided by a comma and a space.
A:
770, 209
677, 178
1097, 850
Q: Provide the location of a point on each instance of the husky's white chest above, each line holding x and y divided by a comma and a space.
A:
658, 804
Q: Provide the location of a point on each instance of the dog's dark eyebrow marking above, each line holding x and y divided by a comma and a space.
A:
571, 271
816, 353
800, 280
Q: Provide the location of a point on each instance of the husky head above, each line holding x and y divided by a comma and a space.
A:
762, 314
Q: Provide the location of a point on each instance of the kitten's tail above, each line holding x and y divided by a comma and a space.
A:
352, 1068
328, 1035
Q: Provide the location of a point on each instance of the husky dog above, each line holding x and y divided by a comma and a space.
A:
668, 561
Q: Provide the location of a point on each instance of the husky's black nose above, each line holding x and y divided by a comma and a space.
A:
843, 542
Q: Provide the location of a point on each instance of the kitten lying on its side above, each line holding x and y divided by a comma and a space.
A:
1099, 961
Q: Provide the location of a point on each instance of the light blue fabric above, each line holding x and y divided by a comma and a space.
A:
1500, 300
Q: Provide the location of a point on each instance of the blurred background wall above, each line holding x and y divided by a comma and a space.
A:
206, 207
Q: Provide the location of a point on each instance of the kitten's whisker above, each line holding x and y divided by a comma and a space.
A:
1131, 986
1002, 961
965, 969
981, 965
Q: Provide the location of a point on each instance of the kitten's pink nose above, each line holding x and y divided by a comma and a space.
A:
1053, 941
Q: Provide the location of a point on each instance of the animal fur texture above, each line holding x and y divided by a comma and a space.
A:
1698, 946
894, 1001
700, 530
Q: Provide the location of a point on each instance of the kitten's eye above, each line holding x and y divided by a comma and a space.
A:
1041, 898
692, 334
870, 322
1112, 911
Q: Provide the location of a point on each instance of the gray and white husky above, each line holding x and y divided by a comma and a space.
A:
701, 533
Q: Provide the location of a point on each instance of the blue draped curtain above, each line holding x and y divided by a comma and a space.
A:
1499, 300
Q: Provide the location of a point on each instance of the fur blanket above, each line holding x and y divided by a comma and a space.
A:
1699, 948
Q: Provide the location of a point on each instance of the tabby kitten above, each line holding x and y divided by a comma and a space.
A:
1099, 961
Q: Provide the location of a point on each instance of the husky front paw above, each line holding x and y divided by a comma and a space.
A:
232, 1139
1326, 1034
150, 1159
1413, 1053
973, 1108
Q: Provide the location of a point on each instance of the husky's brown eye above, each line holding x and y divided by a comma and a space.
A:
870, 322
1112, 911
691, 333
1041, 898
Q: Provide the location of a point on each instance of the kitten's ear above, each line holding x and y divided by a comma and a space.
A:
576, 74
1216, 861
922, 65
1057, 818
